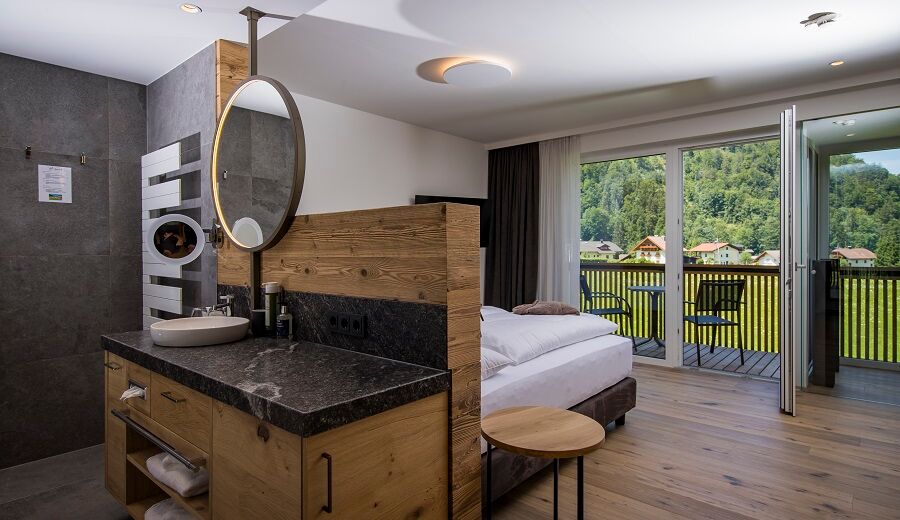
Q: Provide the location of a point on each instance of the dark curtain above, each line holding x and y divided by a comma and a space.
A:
511, 264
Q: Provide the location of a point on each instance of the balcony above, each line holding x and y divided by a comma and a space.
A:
869, 321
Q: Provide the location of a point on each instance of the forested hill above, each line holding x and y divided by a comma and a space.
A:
865, 208
732, 195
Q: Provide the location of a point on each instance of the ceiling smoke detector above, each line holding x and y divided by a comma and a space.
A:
191, 8
819, 19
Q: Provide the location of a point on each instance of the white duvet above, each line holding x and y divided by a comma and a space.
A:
521, 338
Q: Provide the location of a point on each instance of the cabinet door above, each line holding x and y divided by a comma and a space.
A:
255, 470
115, 383
391, 465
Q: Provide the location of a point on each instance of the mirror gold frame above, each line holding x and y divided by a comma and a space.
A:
299, 165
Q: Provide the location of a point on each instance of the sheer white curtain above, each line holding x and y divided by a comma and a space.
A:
560, 220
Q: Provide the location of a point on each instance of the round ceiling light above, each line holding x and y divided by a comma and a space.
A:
191, 8
836, 63
477, 73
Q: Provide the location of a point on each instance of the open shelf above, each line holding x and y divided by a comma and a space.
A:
137, 509
198, 505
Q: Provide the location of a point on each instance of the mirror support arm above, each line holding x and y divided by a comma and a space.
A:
253, 15
255, 283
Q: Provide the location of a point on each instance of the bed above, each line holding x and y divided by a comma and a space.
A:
590, 376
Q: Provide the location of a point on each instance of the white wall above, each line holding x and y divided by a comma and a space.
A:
357, 160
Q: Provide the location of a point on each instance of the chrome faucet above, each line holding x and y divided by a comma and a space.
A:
220, 309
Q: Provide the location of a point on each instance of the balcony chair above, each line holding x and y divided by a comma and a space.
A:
713, 298
623, 308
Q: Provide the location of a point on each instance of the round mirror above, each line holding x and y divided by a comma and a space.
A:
175, 239
259, 160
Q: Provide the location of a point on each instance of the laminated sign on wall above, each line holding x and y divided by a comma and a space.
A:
54, 184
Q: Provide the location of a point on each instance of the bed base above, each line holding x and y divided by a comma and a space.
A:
511, 470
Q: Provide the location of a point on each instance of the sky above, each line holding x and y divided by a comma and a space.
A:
890, 159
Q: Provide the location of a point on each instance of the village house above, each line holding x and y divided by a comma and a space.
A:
600, 250
768, 257
721, 253
855, 256
651, 248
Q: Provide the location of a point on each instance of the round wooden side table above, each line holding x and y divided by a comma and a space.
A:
550, 433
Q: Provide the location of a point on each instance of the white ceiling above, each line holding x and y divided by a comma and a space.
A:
574, 63
879, 124
135, 40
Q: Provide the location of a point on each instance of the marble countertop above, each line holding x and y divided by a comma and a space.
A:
304, 388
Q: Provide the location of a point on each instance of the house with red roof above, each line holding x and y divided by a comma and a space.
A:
721, 253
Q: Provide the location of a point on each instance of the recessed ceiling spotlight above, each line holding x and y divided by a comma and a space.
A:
477, 73
819, 19
191, 8
845, 122
836, 63
850, 135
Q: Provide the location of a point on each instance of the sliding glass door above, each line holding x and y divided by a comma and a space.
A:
794, 260
731, 244
623, 247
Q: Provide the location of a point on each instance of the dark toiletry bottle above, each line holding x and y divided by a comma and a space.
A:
284, 326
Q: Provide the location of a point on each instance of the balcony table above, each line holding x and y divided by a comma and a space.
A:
654, 291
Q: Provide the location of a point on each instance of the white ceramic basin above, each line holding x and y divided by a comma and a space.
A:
199, 332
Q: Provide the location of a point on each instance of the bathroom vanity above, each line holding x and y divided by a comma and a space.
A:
286, 429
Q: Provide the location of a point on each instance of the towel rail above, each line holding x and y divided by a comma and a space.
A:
159, 443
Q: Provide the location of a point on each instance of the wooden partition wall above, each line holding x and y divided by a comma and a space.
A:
423, 254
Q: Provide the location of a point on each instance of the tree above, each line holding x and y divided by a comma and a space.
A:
888, 249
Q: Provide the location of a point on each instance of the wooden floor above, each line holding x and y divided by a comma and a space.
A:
702, 445
761, 364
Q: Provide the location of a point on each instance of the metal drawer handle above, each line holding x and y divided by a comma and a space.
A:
328, 508
161, 444
112, 365
168, 395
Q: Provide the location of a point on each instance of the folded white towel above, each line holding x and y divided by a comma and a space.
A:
175, 475
167, 510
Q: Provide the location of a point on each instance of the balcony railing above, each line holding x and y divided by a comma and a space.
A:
758, 316
869, 318
869, 321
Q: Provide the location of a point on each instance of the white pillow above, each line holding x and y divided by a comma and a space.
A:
492, 362
489, 313
522, 338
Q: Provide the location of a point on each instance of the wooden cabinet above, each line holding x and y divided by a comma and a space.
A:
114, 377
391, 465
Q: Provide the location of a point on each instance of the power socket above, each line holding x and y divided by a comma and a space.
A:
346, 323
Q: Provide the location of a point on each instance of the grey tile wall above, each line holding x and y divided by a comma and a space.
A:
68, 272
181, 104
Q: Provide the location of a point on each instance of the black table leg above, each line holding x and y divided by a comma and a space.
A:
580, 488
555, 489
490, 482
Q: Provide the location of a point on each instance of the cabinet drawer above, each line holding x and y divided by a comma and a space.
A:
141, 376
115, 368
184, 411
